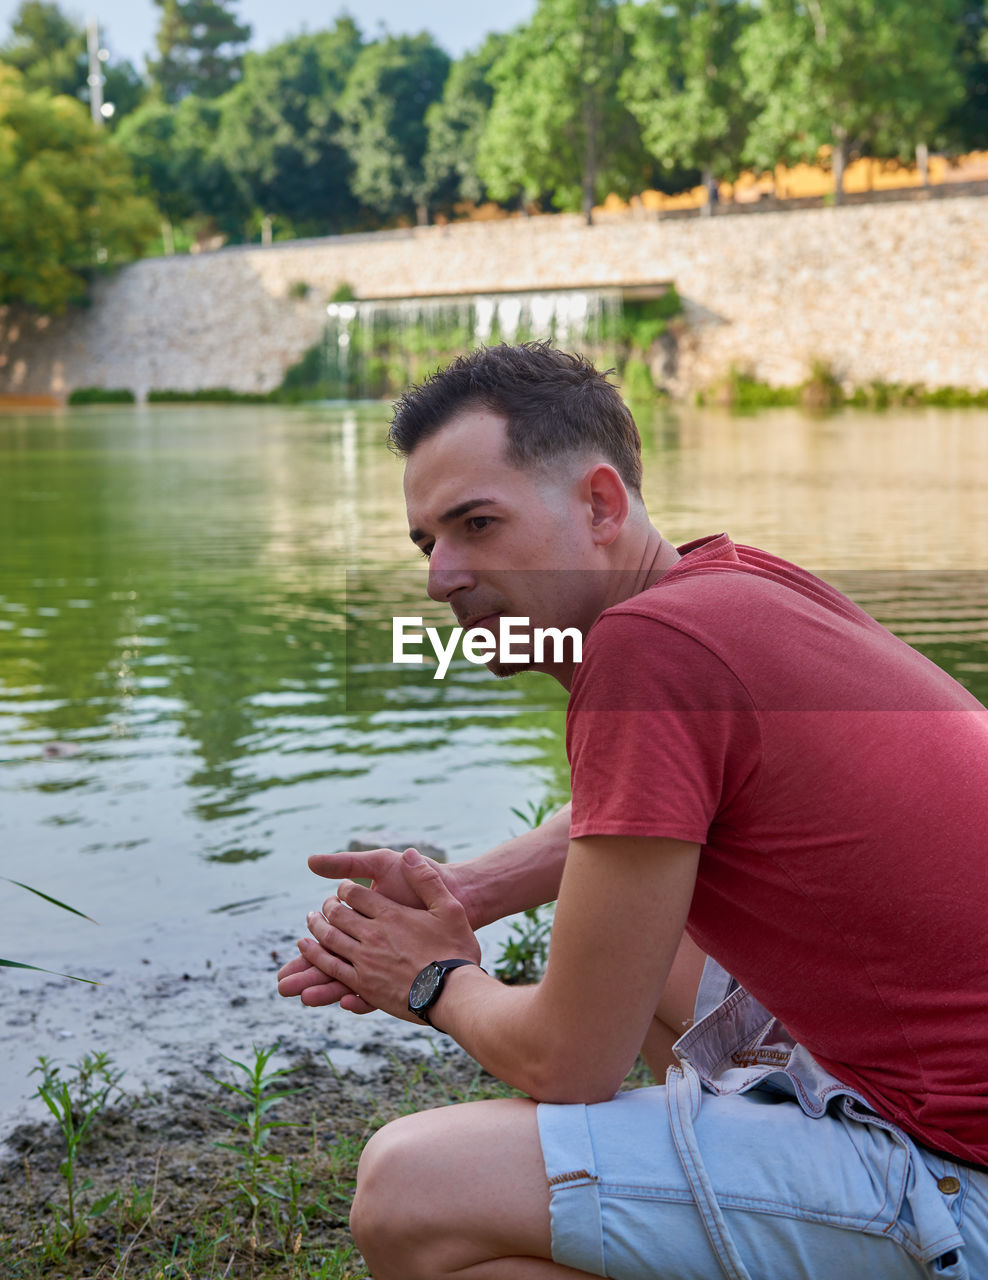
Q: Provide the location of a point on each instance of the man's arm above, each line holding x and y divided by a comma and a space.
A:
520, 873
622, 908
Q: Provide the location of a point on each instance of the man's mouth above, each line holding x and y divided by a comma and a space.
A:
487, 620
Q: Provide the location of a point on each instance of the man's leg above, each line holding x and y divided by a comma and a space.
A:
460, 1191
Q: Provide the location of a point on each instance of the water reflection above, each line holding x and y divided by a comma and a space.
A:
173, 607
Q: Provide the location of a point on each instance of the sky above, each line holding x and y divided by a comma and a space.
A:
128, 26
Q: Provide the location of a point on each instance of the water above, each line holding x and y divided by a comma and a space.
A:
172, 605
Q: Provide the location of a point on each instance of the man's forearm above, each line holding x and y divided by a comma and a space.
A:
521, 873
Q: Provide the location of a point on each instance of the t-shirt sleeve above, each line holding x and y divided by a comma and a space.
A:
662, 737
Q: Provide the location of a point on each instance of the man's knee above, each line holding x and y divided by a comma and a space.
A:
386, 1217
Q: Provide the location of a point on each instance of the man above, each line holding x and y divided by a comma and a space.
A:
761, 773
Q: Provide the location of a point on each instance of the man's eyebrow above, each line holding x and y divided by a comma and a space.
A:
454, 513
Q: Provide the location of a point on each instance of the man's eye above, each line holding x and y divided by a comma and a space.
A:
477, 523
427, 550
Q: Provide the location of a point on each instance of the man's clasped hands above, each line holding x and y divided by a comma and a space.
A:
368, 944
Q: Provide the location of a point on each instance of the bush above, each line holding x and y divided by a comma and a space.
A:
102, 395
208, 395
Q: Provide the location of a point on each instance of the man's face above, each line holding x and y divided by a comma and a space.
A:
501, 540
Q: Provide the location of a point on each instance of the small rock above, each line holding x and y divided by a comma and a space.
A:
427, 850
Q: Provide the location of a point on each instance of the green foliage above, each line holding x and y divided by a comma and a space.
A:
636, 382
524, 954
535, 812
643, 320
49, 49
383, 109
344, 292
75, 1100
684, 85
853, 74
966, 127
279, 126
18, 964
822, 390
174, 154
456, 125
556, 126
101, 395
200, 43
68, 201
207, 395
254, 1126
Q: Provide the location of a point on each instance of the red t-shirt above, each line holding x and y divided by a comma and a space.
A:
837, 781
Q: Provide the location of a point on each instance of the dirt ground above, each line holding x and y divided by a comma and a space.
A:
176, 1208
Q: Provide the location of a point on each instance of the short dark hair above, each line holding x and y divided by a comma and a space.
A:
554, 403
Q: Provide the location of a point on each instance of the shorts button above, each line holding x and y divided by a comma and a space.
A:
949, 1186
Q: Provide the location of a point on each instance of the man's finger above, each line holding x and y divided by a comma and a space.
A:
298, 965
366, 901
338, 866
331, 964
425, 881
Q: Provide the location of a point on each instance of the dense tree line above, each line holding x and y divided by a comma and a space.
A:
332, 131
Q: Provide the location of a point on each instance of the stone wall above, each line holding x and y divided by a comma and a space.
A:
897, 292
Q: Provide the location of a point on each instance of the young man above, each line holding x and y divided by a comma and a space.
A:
760, 773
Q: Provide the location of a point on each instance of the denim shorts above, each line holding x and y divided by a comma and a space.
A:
771, 1168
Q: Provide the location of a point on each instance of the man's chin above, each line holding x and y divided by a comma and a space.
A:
504, 670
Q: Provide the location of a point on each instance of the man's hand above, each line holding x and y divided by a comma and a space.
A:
365, 941
383, 867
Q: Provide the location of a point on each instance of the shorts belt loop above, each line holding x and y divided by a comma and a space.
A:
683, 1099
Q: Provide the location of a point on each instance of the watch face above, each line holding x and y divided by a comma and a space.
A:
423, 989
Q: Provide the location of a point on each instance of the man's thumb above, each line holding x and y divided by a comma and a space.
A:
424, 879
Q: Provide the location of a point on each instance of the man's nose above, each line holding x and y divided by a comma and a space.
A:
447, 575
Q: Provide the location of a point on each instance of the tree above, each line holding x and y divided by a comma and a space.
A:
684, 84
849, 74
966, 128
278, 130
201, 46
456, 124
556, 125
174, 154
68, 201
383, 108
49, 49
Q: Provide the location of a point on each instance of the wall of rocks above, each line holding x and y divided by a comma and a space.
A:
896, 292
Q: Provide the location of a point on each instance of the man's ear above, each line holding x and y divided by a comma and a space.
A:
607, 498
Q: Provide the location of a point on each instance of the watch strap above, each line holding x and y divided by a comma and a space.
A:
445, 967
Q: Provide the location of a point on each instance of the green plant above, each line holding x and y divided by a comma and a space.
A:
75, 1100
207, 395
822, 390
101, 395
299, 289
535, 812
261, 1095
344, 292
19, 964
525, 952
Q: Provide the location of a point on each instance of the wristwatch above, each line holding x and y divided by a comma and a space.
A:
427, 986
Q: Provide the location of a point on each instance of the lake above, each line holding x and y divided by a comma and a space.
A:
185, 714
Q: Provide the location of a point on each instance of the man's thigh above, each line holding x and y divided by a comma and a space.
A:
795, 1196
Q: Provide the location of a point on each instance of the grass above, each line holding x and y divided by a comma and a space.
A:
241, 1177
